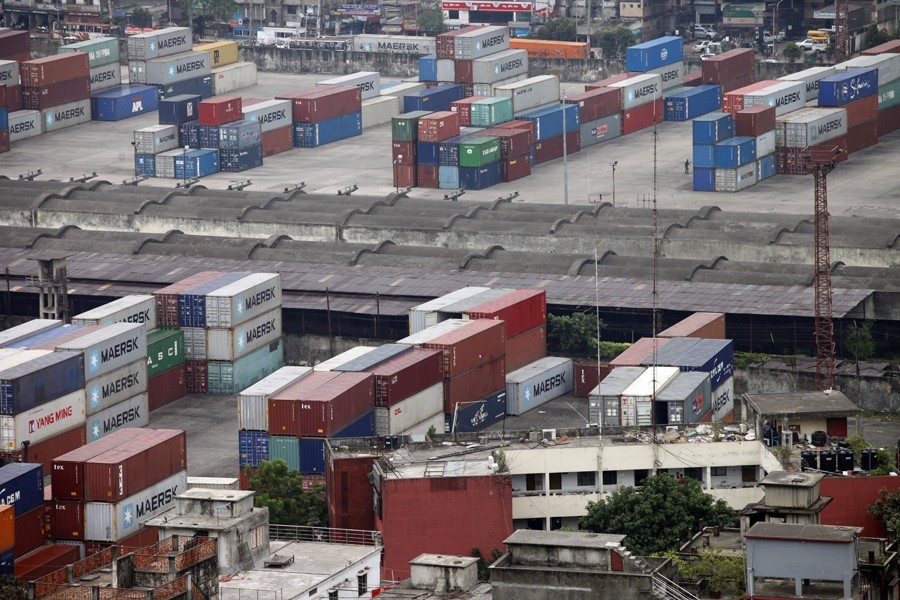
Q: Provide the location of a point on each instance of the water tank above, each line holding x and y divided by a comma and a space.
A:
819, 438
868, 460
828, 461
845, 459
809, 460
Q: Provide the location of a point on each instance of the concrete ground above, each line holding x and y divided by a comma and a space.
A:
864, 186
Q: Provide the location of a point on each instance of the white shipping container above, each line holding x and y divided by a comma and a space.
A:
243, 299
637, 398
481, 42
500, 66
27, 329
25, 124
810, 78
232, 344
426, 314
214, 483
253, 402
368, 82
446, 70
639, 90
106, 76
537, 383
417, 408
394, 44
233, 77
109, 348
530, 93
42, 422
131, 412
137, 308
9, 73
490, 89
671, 76
723, 399
66, 115
426, 335
785, 96
162, 42
13, 357
165, 162
114, 387
765, 144
156, 139
816, 127
271, 114
888, 66
194, 343
175, 68
735, 180
343, 358
379, 111
111, 522
437, 421
402, 89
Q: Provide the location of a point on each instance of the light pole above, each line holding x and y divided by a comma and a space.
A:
397, 179
135, 146
775, 25
565, 155
184, 165
613, 165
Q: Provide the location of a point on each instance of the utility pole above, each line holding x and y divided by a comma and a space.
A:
841, 30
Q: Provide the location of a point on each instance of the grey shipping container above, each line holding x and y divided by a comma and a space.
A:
601, 130
380, 110
111, 522
179, 67
671, 76
604, 402
810, 78
426, 314
393, 44
165, 162
136, 308
674, 349
374, 358
253, 402
8, 337
114, 387
25, 124
109, 348
233, 77
500, 66
106, 76
640, 89
271, 114
446, 70
368, 82
131, 412
735, 180
66, 115
242, 300
171, 40
537, 383
686, 399
9, 73
490, 89
480, 42
814, 128
530, 93
194, 343
156, 139
231, 344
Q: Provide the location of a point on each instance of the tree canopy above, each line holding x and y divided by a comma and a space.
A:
558, 28
875, 37
141, 17
886, 511
658, 516
431, 20
576, 335
215, 10
279, 488
614, 41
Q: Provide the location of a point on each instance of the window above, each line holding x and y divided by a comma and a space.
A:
534, 482
640, 475
694, 473
333, 595
257, 534
719, 471
555, 481
587, 478
291, 10
452, 14
362, 584
610, 477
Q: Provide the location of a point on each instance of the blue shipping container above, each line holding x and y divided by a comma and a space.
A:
253, 447
434, 99
145, 164
189, 134
200, 86
704, 156
312, 455
240, 134
766, 168
705, 178
208, 136
22, 486
654, 54
548, 122
200, 163
4, 118
123, 102
715, 357
735, 152
448, 177
362, 427
192, 301
45, 336
237, 161
713, 128
40, 380
847, 86
481, 414
312, 135
690, 103
428, 153
428, 68
479, 178
351, 125
178, 109
7, 560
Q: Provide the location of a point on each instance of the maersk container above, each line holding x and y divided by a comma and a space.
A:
810, 78
766, 167
601, 130
224, 377
114, 387
735, 180
171, 69
736, 152
481, 414
704, 178
433, 99
25, 124
704, 156
690, 103
685, 400
233, 77
9, 73
785, 96
243, 299
887, 64
39, 340
66, 115
8, 337
271, 114
200, 86
500, 66
22, 486
393, 44
723, 400
253, 448
112, 522
41, 379
343, 358
101, 51
253, 402
286, 448
105, 77
712, 128
814, 127
131, 412
639, 90
312, 456
604, 402
428, 67
654, 54
765, 144
43, 421
112, 347
196, 163
162, 42
156, 139
480, 42
232, 344
479, 178
548, 122
672, 76
368, 82
179, 109
537, 383
136, 308
490, 112
240, 135
846, 86
165, 350
530, 93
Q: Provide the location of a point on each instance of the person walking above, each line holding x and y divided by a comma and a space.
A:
687, 167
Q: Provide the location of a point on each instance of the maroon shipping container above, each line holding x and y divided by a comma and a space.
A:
522, 310
635, 354
404, 151
408, 374
13, 98
325, 410
299, 390
444, 44
195, 377
513, 142
276, 141
14, 43
136, 465
166, 387
707, 325
68, 520
862, 135
44, 452
147, 536
891, 47
464, 108
608, 81
437, 127
642, 116
39, 98
515, 168
734, 84
404, 176
474, 385
526, 125
44, 560
2, 95
4, 140
53, 69
470, 346
754, 121
68, 473
728, 65
428, 176
861, 111
552, 148
889, 120
597, 103
220, 110
692, 79
463, 71
792, 161
525, 348
588, 375
323, 103
29, 531
167, 297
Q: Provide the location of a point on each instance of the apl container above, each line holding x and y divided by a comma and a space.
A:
847, 86
548, 122
735, 180
499, 66
201, 86
253, 401
112, 347
179, 109
8, 337
478, 415
785, 96
810, 78
132, 412
690, 103
735, 152
530, 93
114, 387
105, 77
481, 42
537, 383
22, 486
67, 115
25, 124
123, 102
231, 344
224, 377
654, 54
111, 522
368, 82
271, 114
100, 51
42, 422
42, 378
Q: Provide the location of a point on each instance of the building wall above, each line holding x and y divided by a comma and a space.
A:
852, 497
349, 492
822, 561
532, 583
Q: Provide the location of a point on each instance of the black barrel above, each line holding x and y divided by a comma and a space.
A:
828, 461
868, 460
809, 460
845, 459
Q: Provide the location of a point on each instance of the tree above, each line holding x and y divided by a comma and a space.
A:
723, 572
875, 37
10, 589
575, 334
431, 20
886, 511
791, 52
859, 341
658, 516
558, 28
141, 17
203, 10
613, 42
278, 487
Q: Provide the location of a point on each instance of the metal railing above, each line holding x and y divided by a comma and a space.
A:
668, 589
324, 535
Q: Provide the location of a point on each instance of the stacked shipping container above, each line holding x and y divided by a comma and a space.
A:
22, 504
59, 87
325, 115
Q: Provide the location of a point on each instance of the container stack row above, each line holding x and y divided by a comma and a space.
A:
324, 115
228, 73
15, 48
231, 323
477, 57
731, 70
59, 87
21, 513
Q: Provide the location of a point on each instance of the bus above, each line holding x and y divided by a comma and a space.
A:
73, 32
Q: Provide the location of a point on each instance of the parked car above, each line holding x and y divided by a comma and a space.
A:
768, 38
811, 45
701, 46
702, 32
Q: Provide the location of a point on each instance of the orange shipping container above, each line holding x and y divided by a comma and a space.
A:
551, 49
7, 527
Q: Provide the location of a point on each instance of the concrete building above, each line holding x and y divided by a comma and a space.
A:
790, 497
444, 574
657, 17
799, 414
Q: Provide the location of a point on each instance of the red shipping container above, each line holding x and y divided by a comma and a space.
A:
463, 71
29, 531
220, 110
522, 310
323, 410
7, 526
39, 98
889, 120
68, 520
14, 43
891, 47
408, 374
53, 69
607, 82
551, 149
437, 127
404, 176
733, 101
276, 141
470, 346
13, 98
588, 375
635, 354
734, 84
526, 125
2, 95
862, 136
728, 65
707, 325
45, 560
404, 151
195, 377
320, 104
428, 176
166, 387
4, 140
792, 161
68, 474
692, 79
513, 142
167, 297
132, 467
754, 121
44, 452
597, 103
515, 168
642, 116
464, 108
244, 478
525, 348
861, 111
474, 385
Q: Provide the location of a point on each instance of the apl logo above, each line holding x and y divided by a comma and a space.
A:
94, 360
95, 396
137, 106
128, 514
663, 54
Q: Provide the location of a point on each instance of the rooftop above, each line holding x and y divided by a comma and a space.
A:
830, 403
792, 478
404, 591
439, 560
803, 533
566, 539
199, 493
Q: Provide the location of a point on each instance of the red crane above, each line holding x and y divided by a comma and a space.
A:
841, 30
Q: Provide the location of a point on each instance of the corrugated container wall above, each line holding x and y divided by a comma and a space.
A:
231, 344
22, 485
253, 402
537, 383
406, 375
114, 387
111, 522
8, 337
128, 309
67, 475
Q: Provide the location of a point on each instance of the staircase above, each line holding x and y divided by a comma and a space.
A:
665, 589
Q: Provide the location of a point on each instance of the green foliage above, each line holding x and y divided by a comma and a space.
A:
875, 37
724, 572
278, 488
431, 20
432, 432
886, 510
141, 17
10, 589
558, 28
857, 442
610, 350
484, 574
572, 335
613, 42
212, 10
743, 359
791, 52
859, 342
885, 461
658, 516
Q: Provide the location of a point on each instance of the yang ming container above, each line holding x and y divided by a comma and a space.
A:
43, 421
179, 109
114, 387
271, 114
112, 347
41, 379
112, 522
640, 90
686, 399
132, 412
22, 485
368, 82
530, 93
253, 402
810, 78
654, 54
480, 414
128, 309
500, 66
100, 51
66, 115
692, 102
10, 336
847, 86
537, 383
105, 77
163, 42
712, 128
231, 344
243, 299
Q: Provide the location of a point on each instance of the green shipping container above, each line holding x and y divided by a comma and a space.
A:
479, 151
226, 377
889, 94
100, 51
286, 448
405, 127
165, 350
491, 111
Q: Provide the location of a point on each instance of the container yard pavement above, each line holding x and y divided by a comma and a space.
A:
864, 186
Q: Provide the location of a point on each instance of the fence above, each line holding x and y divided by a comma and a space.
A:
324, 535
